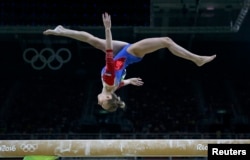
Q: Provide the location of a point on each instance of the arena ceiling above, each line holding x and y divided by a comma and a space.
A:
206, 19
199, 16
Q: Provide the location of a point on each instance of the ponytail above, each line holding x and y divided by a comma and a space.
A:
115, 102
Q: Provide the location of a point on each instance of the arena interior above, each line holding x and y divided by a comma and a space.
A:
57, 100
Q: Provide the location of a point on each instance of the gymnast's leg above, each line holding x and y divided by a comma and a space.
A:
149, 45
84, 37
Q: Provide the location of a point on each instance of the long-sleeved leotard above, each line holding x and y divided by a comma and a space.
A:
115, 69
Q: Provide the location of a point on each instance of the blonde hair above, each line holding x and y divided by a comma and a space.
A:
115, 102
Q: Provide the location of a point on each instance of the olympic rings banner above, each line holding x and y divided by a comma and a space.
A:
46, 57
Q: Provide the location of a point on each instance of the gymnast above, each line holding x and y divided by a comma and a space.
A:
119, 55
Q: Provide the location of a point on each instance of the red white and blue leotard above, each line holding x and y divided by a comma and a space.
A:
115, 69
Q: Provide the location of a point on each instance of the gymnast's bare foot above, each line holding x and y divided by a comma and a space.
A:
57, 31
204, 59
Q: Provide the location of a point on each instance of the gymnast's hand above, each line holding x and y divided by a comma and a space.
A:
136, 81
106, 20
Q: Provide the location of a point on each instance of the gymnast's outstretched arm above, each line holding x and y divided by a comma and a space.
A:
133, 81
108, 35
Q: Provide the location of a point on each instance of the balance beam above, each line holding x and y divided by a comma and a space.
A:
112, 148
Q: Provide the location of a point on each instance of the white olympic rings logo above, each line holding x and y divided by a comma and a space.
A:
54, 60
28, 147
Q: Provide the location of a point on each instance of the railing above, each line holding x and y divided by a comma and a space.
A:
19, 136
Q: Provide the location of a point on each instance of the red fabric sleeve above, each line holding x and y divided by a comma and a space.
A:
109, 61
109, 75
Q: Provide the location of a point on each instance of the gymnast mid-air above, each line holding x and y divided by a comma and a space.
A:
120, 54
